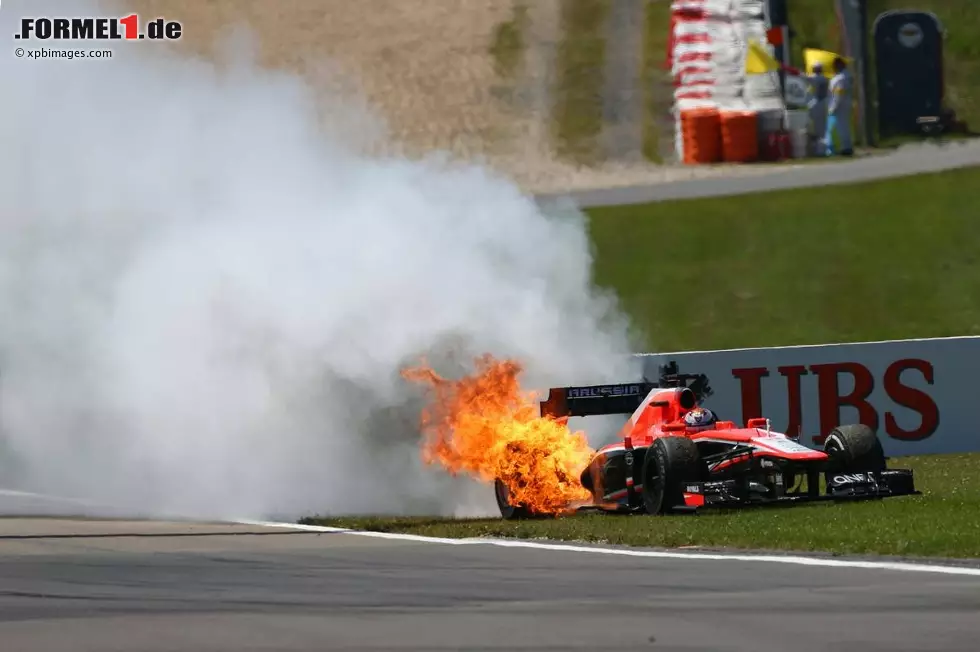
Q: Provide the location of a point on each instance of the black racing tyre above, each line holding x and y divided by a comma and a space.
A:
854, 449
508, 511
669, 463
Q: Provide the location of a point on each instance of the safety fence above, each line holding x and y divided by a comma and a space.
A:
918, 394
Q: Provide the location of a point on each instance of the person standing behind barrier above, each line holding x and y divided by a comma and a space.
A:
819, 85
839, 111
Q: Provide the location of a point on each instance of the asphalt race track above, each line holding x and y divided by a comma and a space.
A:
125, 586
130, 586
911, 159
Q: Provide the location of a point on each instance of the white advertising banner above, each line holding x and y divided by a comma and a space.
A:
920, 395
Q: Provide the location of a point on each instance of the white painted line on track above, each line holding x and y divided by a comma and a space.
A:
798, 560
906, 567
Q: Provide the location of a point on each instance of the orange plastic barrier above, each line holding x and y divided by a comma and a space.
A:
740, 136
701, 129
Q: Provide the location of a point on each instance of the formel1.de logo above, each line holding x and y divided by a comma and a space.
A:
126, 28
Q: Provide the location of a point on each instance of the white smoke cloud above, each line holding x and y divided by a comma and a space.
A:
205, 297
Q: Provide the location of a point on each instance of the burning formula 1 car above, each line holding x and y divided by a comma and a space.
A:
676, 456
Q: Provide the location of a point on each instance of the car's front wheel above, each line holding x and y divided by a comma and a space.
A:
855, 449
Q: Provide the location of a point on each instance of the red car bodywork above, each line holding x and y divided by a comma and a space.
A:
662, 414
719, 464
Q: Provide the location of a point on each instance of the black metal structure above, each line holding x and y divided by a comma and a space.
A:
909, 57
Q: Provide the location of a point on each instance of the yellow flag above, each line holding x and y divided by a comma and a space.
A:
758, 60
825, 57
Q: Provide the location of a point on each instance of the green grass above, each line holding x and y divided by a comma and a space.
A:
881, 260
508, 45
657, 88
942, 522
579, 68
576, 119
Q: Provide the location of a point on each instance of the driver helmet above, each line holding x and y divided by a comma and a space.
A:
700, 417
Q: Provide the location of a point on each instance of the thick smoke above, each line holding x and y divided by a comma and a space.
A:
205, 298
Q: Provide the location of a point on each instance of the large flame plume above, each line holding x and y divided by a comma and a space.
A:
485, 426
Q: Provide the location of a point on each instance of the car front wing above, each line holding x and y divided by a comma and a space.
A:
739, 492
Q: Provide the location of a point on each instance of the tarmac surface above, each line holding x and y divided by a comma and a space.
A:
89, 585
917, 158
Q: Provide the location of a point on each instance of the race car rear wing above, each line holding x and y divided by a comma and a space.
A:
622, 398
594, 400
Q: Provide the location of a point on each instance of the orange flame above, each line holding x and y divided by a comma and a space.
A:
485, 426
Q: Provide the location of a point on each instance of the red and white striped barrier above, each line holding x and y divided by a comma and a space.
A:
707, 50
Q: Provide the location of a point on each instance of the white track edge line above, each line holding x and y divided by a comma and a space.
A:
623, 552
907, 567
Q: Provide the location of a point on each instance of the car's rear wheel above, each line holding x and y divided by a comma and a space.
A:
507, 510
854, 449
668, 464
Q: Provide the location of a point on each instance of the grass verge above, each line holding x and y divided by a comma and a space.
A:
940, 523
579, 68
656, 83
880, 260
508, 45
